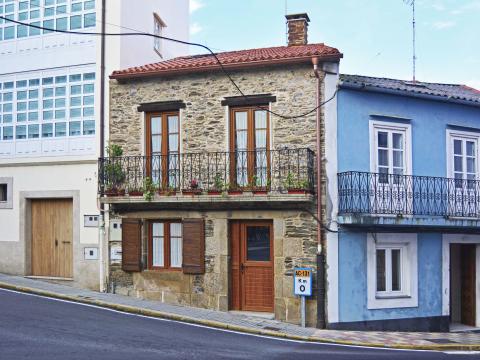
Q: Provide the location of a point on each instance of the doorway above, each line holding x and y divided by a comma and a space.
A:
251, 266
52, 238
463, 284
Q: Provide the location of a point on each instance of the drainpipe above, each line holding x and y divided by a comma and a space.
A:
101, 227
320, 244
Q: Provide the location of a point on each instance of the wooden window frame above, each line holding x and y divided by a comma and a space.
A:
166, 245
164, 149
251, 146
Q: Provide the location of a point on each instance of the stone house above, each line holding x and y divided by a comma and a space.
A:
216, 190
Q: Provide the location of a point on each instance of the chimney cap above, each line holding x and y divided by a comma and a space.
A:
301, 16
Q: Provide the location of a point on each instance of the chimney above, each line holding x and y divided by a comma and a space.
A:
297, 29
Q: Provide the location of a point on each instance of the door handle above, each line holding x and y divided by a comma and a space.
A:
242, 267
66, 242
56, 242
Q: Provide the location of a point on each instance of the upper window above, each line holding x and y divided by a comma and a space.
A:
165, 245
250, 140
163, 148
390, 149
463, 157
158, 26
392, 270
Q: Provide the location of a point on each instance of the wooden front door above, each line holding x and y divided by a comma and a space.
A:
468, 268
52, 239
251, 272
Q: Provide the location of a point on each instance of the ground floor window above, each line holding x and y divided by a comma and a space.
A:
165, 245
6, 193
392, 270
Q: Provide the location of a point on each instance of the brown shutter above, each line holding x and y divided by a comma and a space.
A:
193, 246
131, 245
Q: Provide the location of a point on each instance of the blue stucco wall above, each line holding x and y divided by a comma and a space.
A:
352, 253
429, 124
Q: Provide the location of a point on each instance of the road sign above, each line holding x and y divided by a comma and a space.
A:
302, 281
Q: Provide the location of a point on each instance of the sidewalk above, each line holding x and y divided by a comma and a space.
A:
244, 323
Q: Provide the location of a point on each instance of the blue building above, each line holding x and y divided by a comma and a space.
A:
404, 195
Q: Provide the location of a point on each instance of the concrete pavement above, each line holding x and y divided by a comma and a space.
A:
245, 323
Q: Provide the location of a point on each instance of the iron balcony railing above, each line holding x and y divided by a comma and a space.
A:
374, 193
288, 170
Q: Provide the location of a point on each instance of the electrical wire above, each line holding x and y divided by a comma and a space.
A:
226, 73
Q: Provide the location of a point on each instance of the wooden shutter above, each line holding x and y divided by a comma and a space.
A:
193, 246
131, 245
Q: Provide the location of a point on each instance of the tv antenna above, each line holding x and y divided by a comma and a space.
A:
414, 58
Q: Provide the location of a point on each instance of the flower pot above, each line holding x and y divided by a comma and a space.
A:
214, 192
192, 192
135, 193
260, 192
235, 192
111, 192
297, 191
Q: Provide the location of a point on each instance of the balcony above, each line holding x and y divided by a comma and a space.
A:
209, 180
386, 199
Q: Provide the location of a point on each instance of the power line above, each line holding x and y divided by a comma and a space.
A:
179, 42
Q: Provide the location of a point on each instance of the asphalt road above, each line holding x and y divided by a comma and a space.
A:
33, 327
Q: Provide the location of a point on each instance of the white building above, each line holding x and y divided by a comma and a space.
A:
50, 116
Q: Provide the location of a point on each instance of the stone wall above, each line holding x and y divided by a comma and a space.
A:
294, 245
204, 120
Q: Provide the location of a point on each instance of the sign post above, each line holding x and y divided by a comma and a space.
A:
302, 285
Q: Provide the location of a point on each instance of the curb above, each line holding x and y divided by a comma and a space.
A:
220, 325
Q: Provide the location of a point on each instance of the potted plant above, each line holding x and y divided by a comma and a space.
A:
135, 191
218, 185
148, 189
300, 187
113, 171
194, 188
234, 190
262, 190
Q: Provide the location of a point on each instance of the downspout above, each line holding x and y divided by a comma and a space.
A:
320, 244
101, 225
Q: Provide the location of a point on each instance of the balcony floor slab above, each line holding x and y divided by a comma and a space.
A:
211, 202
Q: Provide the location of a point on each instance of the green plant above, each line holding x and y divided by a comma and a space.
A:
253, 182
114, 150
289, 182
148, 189
218, 182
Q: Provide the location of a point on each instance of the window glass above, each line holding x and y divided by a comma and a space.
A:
8, 133
23, 16
75, 90
48, 115
60, 79
9, 33
32, 105
396, 270
48, 92
49, 12
20, 132
35, 14
23, 5
258, 243
88, 100
176, 245
33, 116
76, 101
89, 127
21, 117
62, 24
60, 129
60, 91
381, 278
76, 113
76, 7
89, 76
88, 89
22, 31
158, 245
89, 20
59, 114
61, 10
89, 5
75, 22
47, 81
33, 131
88, 112
75, 128
47, 130
48, 24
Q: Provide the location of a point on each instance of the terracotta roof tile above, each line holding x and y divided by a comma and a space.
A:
231, 59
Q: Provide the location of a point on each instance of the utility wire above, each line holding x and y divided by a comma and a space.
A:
179, 42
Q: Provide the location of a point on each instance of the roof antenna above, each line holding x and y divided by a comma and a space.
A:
414, 58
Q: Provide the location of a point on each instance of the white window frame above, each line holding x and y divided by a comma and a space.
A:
375, 126
408, 296
158, 26
461, 135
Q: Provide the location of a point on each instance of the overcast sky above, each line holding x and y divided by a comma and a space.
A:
375, 36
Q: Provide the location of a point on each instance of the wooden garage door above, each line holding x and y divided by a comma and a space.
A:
252, 266
52, 239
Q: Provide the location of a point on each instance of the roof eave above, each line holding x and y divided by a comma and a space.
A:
234, 66
363, 87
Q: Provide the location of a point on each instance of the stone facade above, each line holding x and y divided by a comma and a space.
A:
204, 127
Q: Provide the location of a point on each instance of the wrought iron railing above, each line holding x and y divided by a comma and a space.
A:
287, 170
374, 193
